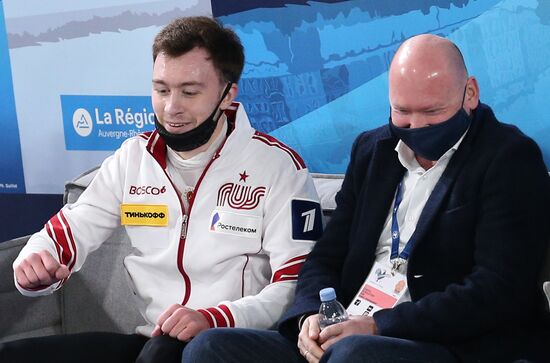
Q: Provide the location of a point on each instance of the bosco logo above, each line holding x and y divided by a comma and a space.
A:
146, 189
82, 122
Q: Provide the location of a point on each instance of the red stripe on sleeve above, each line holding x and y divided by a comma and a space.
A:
50, 233
287, 273
60, 238
270, 140
229, 315
71, 239
298, 258
220, 320
208, 317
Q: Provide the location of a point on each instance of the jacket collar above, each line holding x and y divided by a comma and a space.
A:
449, 176
384, 174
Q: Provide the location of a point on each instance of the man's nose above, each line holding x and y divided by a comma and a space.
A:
416, 121
174, 104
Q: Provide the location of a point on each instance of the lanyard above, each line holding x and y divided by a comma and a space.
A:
396, 258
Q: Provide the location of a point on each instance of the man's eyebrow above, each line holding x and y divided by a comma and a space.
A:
397, 107
182, 84
428, 108
434, 108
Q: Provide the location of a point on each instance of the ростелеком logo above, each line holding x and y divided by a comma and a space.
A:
82, 122
215, 220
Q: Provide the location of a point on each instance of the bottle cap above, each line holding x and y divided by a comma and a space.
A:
327, 294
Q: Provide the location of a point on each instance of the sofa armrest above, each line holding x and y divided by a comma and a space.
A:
327, 185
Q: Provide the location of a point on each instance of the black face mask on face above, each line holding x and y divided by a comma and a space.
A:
433, 141
196, 137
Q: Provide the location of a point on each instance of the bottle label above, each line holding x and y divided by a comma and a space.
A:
382, 289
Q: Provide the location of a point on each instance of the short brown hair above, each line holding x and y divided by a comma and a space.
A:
223, 45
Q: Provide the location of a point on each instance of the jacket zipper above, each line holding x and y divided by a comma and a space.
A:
185, 220
184, 227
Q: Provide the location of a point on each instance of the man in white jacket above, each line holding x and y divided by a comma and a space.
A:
221, 216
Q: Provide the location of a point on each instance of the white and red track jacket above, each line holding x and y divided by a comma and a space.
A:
234, 255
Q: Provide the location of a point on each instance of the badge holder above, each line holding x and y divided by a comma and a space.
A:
382, 289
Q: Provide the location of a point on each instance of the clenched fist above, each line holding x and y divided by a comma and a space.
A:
40, 270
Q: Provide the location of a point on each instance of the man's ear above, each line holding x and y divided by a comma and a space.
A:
471, 99
230, 96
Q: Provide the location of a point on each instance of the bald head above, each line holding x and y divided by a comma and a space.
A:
428, 82
428, 56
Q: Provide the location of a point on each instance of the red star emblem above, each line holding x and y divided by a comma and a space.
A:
243, 176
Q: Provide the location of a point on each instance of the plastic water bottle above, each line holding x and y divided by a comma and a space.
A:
330, 311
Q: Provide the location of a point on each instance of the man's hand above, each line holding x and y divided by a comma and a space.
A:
181, 323
357, 324
307, 339
40, 270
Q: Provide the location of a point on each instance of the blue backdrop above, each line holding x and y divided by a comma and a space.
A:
11, 165
315, 74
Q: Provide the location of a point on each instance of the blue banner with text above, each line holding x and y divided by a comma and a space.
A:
104, 122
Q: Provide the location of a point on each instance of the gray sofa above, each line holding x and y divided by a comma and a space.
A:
98, 297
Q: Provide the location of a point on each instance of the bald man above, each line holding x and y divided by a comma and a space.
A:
436, 242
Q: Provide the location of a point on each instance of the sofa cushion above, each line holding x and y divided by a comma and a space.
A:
102, 287
327, 186
22, 316
75, 187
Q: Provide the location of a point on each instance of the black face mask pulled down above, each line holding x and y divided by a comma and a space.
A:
433, 141
196, 137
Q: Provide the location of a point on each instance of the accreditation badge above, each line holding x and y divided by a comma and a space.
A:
382, 290
144, 215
